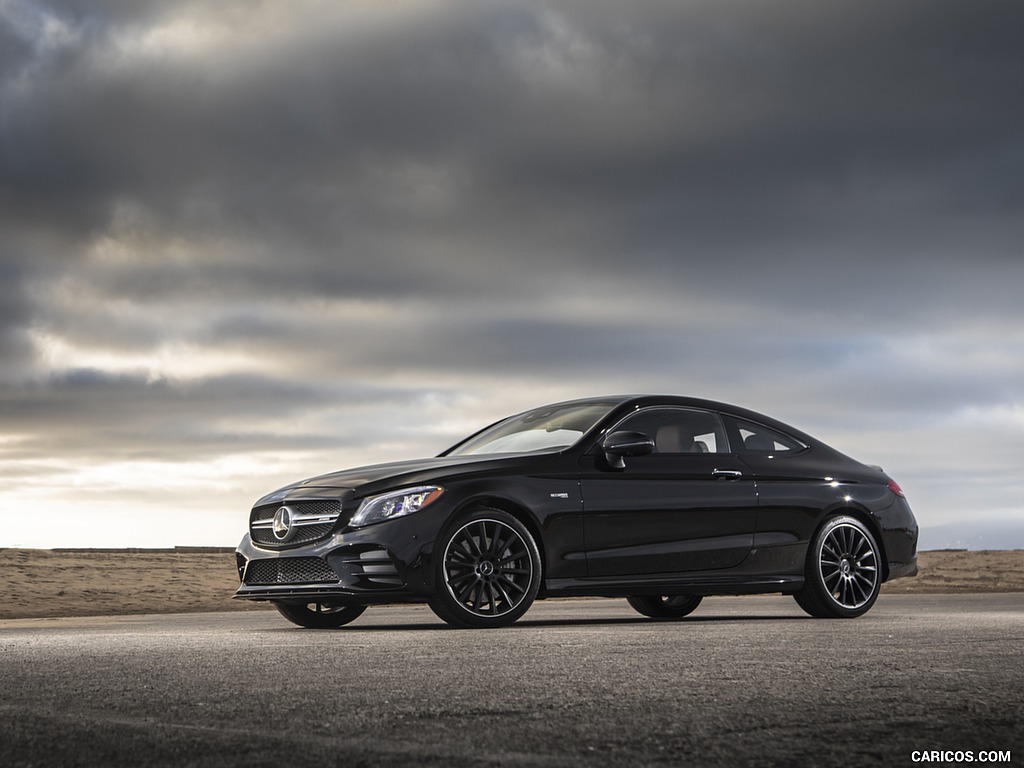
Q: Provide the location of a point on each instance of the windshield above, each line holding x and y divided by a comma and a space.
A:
551, 428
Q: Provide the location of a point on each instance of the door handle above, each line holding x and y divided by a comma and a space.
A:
727, 474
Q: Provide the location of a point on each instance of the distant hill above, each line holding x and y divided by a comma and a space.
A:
973, 534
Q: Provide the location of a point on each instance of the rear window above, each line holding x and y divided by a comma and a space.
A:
758, 439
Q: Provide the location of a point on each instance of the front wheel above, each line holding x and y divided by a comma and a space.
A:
842, 574
487, 571
665, 606
319, 615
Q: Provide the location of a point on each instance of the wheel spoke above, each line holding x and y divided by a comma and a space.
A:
478, 596
863, 586
460, 578
834, 543
464, 594
504, 594
831, 550
862, 589
496, 545
850, 594
869, 583
462, 556
511, 556
486, 605
470, 545
515, 570
513, 584
859, 546
493, 597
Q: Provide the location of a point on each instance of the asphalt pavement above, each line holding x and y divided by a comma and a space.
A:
742, 681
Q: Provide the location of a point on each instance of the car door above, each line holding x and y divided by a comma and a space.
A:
688, 506
792, 486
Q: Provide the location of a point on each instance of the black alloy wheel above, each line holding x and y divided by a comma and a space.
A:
488, 572
842, 572
665, 606
319, 615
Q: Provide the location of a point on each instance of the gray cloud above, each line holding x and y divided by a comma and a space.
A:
104, 416
229, 229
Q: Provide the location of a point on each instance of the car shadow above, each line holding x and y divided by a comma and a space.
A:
534, 623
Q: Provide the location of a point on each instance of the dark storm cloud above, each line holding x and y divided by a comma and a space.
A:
16, 350
782, 137
688, 131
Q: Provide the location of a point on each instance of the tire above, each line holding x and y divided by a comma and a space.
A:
487, 570
665, 606
319, 615
842, 573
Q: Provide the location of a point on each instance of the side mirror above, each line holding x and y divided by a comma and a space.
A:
618, 445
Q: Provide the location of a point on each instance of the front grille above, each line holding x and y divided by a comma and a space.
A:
289, 570
311, 520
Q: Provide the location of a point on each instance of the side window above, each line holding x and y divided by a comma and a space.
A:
678, 430
755, 438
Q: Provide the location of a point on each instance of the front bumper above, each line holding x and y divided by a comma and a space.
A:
386, 562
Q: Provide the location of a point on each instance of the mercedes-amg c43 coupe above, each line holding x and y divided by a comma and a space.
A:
658, 499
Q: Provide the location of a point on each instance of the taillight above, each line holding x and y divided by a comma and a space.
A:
895, 488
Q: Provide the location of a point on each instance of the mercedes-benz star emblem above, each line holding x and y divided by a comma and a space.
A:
283, 524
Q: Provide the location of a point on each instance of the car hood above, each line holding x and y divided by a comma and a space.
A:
380, 477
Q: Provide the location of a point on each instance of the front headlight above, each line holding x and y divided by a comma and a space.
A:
387, 506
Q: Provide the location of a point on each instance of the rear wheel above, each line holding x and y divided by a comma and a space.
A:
487, 572
319, 615
665, 606
843, 571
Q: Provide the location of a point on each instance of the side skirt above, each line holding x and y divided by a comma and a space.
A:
672, 584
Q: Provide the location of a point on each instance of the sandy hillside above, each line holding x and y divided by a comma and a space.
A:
40, 583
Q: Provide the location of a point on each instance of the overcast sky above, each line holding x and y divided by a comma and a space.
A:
245, 243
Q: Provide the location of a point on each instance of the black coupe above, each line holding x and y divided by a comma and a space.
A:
657, 499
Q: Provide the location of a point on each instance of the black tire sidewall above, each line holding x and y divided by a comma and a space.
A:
653, 607
300, 615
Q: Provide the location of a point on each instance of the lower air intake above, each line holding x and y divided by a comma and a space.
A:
290, 570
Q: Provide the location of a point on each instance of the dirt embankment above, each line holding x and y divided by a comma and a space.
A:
45, 583
957, 570
41, 582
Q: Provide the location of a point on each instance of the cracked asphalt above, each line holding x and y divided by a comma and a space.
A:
742, 681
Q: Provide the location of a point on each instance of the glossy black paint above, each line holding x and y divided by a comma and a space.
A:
729, 522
